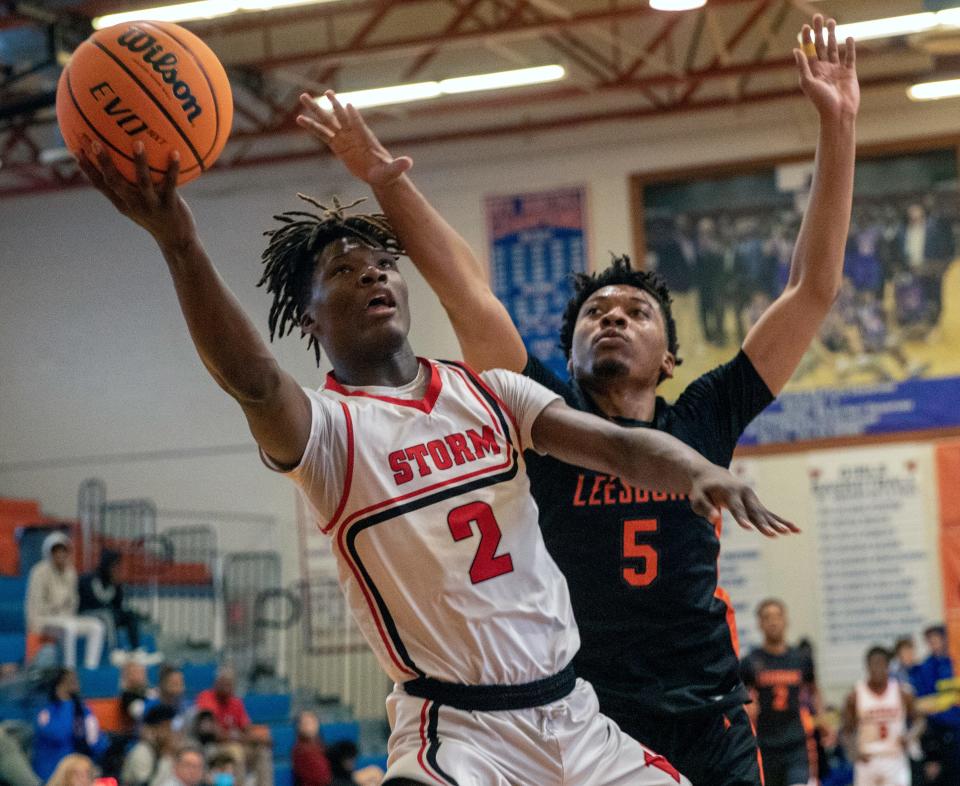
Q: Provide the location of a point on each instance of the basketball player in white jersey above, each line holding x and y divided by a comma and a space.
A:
875, 720
415, 469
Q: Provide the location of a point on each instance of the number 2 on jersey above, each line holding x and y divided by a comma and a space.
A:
487, 564
644, 572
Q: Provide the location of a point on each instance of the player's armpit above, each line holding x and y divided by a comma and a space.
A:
280, 421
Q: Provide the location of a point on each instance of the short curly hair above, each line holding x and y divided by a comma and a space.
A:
620, 271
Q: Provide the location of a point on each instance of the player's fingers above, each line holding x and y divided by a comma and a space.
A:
757, 512
789, 525
168, 189
850, 53
144, 183
832, 52
818, 41
338, 109
803, 65
748, 519
319, 130
313, 109
114, 180
702, 505
96, 179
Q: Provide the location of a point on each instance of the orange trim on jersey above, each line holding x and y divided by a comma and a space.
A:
721, 594
348, 475
753, 728
423, 743
424, 404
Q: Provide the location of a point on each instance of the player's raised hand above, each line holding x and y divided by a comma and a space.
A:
346, 134
828, 71
158, 208
717, 488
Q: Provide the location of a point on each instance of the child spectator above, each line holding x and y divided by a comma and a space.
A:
53, 600
150, 761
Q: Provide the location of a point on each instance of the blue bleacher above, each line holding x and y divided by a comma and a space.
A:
13, 588
267, 707
338, 732
11, 616
198, 676
12, 647
366, 761
99, 683
284, 735
282, 775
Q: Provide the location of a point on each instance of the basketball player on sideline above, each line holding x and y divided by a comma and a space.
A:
415, 469
775, 673
658, 638
875, 724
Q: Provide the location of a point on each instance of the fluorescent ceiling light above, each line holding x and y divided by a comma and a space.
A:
420, 91
931, 91
892, 26
499, 79
201, 9
676, 5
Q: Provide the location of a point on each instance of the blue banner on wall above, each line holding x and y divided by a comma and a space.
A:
537, 241
913, 405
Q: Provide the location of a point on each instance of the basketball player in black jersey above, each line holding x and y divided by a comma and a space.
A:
658, 640
775, 674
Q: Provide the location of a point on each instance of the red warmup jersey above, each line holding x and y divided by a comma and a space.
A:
230, 714
424, 492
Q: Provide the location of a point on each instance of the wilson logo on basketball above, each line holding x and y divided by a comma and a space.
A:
145, 45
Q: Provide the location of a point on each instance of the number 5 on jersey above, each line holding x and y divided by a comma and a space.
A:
641, 561
487, 564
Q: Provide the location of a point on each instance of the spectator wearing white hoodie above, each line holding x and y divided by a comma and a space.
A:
53, 600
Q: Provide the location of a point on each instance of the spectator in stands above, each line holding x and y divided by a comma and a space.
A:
343, 762
904, 662
223, 770
101, 596
150, 761
15, 767
188, 768
171, 690
204, 732
64, 726
53, 600
937, 666
73, 770
309, 758
236, 735
135, 692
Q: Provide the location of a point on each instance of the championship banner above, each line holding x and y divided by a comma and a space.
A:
537, 241
874, 551
884, 359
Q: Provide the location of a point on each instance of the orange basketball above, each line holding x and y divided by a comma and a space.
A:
152, 82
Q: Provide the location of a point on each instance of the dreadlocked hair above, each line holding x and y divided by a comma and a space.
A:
619, 272
291, 256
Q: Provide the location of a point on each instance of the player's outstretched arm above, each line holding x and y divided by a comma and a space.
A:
229, 345
651, 459
828, 77
487, 336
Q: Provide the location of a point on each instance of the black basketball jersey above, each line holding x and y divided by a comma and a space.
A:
778, 680
657, 635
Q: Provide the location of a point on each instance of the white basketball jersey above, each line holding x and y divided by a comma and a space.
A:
881, 720
435, 532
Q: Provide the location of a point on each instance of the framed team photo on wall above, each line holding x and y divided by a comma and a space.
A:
885, 360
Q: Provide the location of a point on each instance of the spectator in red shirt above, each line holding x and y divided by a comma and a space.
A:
249, 745
309, 757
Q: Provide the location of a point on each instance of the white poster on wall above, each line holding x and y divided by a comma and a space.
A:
742, 573
873, 552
